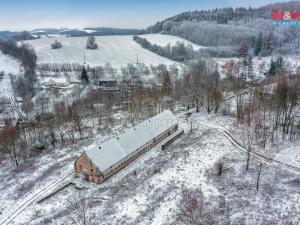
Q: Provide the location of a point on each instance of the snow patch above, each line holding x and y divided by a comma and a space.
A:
163, 40
290, 156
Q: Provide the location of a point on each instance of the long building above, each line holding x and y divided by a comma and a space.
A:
99, 162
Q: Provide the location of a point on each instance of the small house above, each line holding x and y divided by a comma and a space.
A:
108, 83
99, 162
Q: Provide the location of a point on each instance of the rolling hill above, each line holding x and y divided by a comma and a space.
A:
228, 27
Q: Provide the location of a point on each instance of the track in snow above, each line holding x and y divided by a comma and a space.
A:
34, 198
17, 110
236, 143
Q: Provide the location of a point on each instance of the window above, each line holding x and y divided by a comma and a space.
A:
80, 167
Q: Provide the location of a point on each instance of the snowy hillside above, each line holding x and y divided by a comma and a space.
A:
164, 40
116, 50
149, 191
261, 65
7, 65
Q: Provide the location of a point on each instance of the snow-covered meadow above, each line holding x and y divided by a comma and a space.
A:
116, 50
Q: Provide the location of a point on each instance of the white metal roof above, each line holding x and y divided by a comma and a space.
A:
111, 152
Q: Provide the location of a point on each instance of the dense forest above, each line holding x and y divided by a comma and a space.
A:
228, 27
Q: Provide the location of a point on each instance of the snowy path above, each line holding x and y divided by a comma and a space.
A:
236, 143
10, 66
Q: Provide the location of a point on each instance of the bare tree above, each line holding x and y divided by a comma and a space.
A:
42, 103
193, 211
9, 137
71, 132
80, 206
79, 122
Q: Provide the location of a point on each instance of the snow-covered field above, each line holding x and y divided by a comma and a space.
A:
116, 50
149, 190
164, 40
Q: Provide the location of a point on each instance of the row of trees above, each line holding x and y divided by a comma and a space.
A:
261, 46
269, 115
24, 53
47, 69
66, 124
57, 123
179, 52
270, 109
24, 85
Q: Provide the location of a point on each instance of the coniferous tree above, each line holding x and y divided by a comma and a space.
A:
167, 85
272, 70
268, 43
250, 71
258, 44
84, 76
279, 65
243, 48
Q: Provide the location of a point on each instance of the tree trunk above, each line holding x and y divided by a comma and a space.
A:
248, 160
258, 177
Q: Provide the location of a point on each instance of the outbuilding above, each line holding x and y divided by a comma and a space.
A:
99, 162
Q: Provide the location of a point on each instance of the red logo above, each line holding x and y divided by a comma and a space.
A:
285, 15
